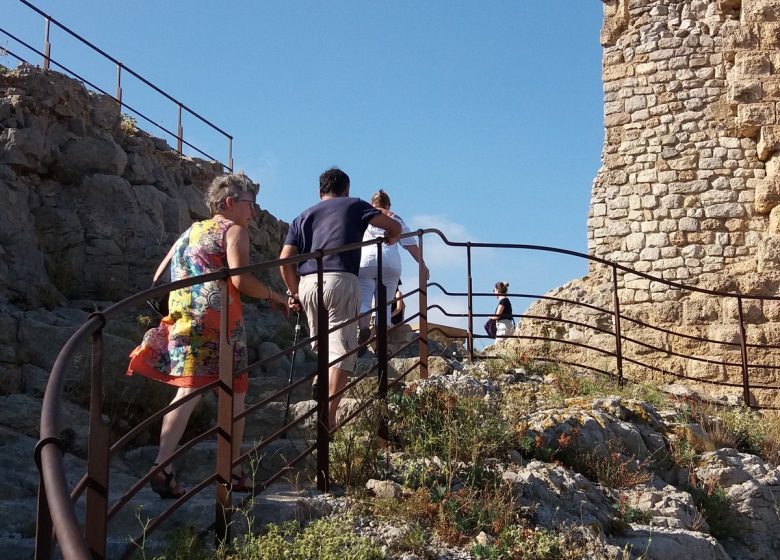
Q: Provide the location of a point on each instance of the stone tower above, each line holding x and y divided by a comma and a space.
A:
690, 164
689, 186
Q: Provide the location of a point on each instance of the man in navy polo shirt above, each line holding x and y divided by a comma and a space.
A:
335, 221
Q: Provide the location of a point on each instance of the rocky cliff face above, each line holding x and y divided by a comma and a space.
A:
88, 207
688, 188
89, 203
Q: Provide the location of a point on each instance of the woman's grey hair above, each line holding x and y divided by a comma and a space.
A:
230, 185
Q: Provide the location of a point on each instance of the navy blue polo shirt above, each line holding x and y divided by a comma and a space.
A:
329, 224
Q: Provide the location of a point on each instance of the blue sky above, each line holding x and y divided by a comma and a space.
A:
483, 119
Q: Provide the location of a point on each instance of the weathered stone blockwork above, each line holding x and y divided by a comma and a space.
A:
689, 188
690, 157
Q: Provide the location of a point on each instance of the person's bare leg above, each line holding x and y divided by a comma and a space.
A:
174, 423
337, 381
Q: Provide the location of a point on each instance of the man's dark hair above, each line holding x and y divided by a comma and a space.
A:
334, 182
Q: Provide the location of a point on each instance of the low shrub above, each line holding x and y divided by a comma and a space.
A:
627, 513
741, 428
683, 454
325, 539
718, 510
610, 468
435, 422
522, 541
455, 516
614, 469
355, 453
129, 125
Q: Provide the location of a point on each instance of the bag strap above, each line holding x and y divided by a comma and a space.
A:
163, 264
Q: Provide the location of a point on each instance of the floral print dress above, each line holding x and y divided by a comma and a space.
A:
184, 349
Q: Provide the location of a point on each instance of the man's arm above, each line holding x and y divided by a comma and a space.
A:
290, 274
391, 227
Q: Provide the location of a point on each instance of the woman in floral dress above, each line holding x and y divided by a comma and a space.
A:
183, 350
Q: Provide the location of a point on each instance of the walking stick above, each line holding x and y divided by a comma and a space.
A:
292, 366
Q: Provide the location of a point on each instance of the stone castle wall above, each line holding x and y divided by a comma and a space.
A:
690, 163
688, 190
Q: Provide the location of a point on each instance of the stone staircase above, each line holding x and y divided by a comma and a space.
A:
292, 497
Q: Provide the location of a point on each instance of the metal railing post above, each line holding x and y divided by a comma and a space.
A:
743, 351
179, 134
96, 520
225, 420
381, 338
422, 282
470, 302
323, 384
46, 45
44, 529
230, 153
119, 85
616, 324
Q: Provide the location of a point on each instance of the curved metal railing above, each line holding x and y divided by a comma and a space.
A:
612, 271
56, 513
120, 68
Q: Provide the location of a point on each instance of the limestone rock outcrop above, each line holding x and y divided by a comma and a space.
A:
89, 205
589, 460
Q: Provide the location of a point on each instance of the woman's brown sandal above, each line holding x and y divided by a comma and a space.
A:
164, 485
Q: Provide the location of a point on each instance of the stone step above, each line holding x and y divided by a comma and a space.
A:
282, 501
294, 496
261, 388
197, 463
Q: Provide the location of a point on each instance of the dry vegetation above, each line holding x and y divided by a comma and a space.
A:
452, 447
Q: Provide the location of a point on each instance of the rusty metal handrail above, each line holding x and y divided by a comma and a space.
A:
56, 503
179, 135
744, 362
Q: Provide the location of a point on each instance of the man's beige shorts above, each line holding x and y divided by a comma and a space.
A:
341, 297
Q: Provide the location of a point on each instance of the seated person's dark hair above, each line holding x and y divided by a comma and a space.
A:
334, 182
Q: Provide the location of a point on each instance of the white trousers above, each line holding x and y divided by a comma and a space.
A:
368, 288
504, 327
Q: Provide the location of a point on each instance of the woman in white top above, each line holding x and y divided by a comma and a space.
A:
391, 264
